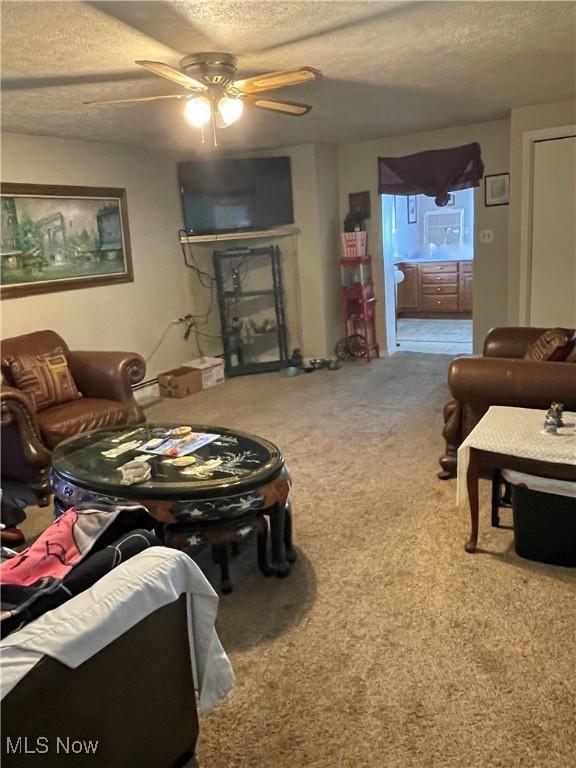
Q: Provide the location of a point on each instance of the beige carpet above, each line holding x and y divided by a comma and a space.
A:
388, 646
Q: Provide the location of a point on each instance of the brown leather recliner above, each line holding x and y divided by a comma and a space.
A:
501, 377
28, 436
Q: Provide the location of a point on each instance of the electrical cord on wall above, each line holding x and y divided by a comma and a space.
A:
161, 340
194, 322
193, 264
192, 326
203, 317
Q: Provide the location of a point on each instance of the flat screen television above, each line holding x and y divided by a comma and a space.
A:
236, 195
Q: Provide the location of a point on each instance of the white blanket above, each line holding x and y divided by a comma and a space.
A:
90, 621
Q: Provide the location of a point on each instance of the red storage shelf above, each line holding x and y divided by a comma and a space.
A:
354, 262
358, 303
359, 292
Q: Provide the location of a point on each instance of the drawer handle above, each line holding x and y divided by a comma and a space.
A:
438, 278
439, 301
438, 289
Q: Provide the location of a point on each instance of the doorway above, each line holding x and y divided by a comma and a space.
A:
429, 263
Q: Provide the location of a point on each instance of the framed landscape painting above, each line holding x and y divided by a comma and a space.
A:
57, 238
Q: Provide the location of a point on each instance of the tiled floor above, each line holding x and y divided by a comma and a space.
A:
448, 337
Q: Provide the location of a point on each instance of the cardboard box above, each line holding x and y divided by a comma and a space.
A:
180, 382
211, 369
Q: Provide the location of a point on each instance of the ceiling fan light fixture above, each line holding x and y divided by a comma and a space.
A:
214, 98
198, 111
230, 109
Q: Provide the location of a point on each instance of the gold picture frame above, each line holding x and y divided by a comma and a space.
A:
62, 238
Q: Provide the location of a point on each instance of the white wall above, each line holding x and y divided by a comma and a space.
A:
128, 316
309, 280
358, 171
329, 244
522, 120
314, 180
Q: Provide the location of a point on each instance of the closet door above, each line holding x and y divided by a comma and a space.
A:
553, 254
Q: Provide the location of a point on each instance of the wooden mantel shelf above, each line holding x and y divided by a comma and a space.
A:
261, 234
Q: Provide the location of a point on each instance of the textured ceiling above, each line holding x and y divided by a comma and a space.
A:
389, 67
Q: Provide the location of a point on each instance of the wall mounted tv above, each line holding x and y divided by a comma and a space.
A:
236, 195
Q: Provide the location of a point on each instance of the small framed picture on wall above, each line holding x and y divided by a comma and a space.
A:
360, 201
497, 189
412, 209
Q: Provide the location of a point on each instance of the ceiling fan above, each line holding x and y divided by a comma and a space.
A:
220, 97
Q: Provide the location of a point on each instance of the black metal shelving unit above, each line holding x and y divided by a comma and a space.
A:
252, 318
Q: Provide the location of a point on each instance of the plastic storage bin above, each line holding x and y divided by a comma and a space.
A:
544, 526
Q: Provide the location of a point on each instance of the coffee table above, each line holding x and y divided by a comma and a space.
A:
213, 504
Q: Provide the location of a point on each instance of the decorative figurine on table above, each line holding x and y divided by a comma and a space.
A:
554, 418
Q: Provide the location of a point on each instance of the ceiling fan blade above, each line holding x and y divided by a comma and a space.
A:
282, 79
292, 108
139, 98
164, 70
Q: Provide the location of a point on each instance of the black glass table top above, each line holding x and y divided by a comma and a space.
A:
233, 461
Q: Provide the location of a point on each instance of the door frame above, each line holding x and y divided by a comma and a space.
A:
530, 138
387, 279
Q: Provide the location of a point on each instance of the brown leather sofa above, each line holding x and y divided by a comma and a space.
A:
501, 377
135, 697
28, 435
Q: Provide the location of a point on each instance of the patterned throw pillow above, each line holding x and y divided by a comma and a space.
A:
554, 345
571, 356
45, 378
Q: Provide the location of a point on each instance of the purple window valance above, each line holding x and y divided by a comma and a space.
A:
435, 172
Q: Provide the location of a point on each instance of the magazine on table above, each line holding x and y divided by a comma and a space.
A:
178, 446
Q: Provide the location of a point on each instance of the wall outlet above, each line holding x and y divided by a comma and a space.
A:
486, 236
